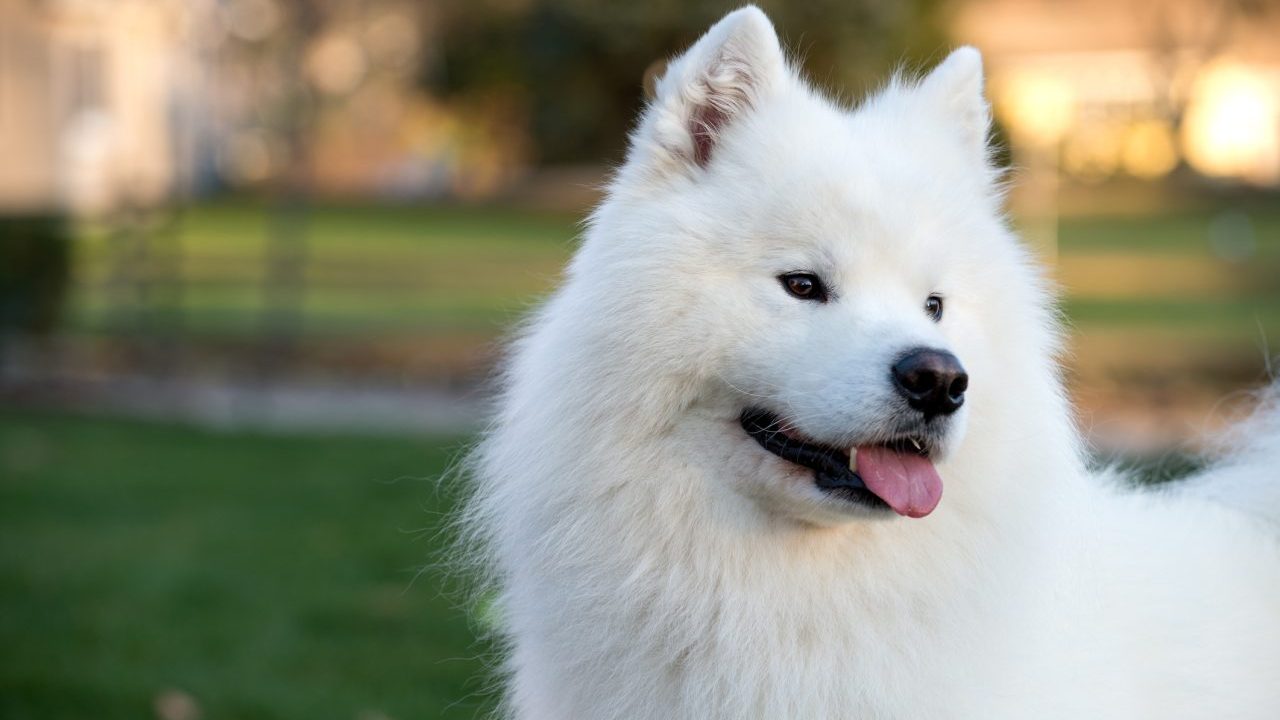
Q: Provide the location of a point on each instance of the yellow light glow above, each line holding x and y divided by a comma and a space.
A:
1232, 125
1149, 150
1038, 107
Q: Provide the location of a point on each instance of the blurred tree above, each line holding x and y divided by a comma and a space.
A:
574, 67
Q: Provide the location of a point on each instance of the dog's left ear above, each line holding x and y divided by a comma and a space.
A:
721, 78
955, 89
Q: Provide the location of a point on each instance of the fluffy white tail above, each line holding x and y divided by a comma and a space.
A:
1247, 478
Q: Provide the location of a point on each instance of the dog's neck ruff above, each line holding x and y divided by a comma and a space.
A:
690, 593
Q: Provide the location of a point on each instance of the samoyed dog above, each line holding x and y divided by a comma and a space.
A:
791, 442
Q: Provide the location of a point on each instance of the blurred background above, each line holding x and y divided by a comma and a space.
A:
257, 257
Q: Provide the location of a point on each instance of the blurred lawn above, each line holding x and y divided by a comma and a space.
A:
267, 576
442, 272
363, 271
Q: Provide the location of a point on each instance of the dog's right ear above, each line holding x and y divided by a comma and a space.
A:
727, 72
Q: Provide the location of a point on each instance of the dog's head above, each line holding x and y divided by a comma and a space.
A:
837, 279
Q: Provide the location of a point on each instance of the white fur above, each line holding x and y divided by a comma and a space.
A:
652, 561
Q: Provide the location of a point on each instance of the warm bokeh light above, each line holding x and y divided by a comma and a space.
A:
336, 63
1232, 125
1149, 150
1093, 153
1040, 108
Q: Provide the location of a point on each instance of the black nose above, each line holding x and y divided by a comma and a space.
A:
932, 381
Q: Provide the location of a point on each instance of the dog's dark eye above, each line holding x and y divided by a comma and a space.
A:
933, 306
805, 286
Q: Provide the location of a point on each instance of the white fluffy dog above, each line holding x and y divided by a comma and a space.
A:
791, 442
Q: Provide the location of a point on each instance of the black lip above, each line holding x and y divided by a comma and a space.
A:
830, 465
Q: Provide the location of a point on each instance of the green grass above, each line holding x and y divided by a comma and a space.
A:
1246, 315
1186, 232
363, 271
266, 576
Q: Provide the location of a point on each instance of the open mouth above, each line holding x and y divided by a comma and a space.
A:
897, 474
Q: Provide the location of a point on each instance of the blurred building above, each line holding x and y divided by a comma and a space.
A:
111, 102
99, 102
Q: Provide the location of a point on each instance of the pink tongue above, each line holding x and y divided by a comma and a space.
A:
907, 482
